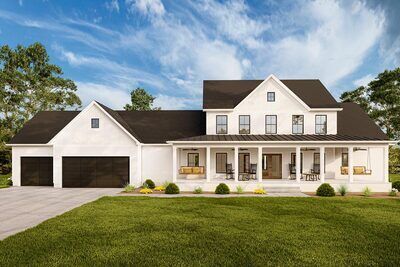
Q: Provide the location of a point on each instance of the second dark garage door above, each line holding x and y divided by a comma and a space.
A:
95, 171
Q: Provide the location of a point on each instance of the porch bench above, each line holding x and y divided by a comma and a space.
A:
191, 170
357, 170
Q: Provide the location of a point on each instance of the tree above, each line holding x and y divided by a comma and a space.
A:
141, 100
381, 101
29, 83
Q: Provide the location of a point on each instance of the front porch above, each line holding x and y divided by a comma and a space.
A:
302, 168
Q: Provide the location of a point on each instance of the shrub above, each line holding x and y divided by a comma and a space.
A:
222, 189
239, 189
367, 191
393, 192
259, 191
150, 184
165, 184
146, 191
342, 190
396, 185
129, 188
159, 188
172, 189
198, 190
325, 190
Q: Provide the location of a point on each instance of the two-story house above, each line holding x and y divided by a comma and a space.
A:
279, 134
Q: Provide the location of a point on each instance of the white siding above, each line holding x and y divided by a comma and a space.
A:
157, 163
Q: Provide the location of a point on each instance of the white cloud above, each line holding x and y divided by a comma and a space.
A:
174, 103
113, 5
105, 94
365, 80
147, 7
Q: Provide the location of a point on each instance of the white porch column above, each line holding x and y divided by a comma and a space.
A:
174, 166
208, 164
350, 159
298, 163
259, 164
138, 167
386, 164
236, 160
322, 164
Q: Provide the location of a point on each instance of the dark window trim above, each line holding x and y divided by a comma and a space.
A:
347, 165
98, 123
216, 165
198, 156
216, 123
276, 124
326, 123
273, 93
293, 162
302, 128
246, 124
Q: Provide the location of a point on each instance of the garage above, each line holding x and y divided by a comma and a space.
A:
104, 172
37, 171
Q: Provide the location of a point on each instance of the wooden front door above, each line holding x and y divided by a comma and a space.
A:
272, 166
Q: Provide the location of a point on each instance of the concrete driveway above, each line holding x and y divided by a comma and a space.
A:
25, 207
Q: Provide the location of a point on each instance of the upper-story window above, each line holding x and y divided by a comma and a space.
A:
95, 123
222, 124
271, 96
297, 124
244, 124
270, 124
320, 124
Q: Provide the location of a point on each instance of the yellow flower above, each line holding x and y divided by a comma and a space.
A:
259, 191
146, 191
159, 188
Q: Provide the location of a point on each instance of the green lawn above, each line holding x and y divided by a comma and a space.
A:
394, 177
206, 231
3, 180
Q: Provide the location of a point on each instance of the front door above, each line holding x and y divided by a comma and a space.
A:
272, 166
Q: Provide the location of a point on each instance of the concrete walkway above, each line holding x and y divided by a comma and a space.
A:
25, 207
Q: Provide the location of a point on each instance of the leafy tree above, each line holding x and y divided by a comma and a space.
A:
381, 100
29, 83
141, 100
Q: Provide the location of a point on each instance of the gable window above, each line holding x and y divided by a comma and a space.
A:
298, 124
193, 159
270, 124
345, 160
271, 96
95, 123
244, 124
320, 124
221, 160
222, 124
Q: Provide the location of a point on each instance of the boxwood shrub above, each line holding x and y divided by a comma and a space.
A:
325, 190
150, 183
172, 189
396, 185
222, 189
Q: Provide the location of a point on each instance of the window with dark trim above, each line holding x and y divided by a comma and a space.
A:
270, 124
345, 159
297, 124
317, 162
244, 124
320, 124
222, 124
220, 162
193, 159
293, 160
95, 123
271, 96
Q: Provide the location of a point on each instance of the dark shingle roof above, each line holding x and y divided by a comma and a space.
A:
220, 94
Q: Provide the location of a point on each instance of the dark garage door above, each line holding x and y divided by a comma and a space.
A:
103, 172
37, 171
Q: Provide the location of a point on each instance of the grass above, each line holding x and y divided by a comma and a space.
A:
3, 180
207, 231
394, 177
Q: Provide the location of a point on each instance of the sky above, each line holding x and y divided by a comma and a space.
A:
109, 47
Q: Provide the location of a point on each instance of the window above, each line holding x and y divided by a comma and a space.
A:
293, 160
95, 123
244, 124
221, 160
271, 96
222, 124
320, 124
317, 162
270, 124
298, 124
345, 160
193, 160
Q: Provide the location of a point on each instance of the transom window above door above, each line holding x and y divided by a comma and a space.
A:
222, 124
244, 124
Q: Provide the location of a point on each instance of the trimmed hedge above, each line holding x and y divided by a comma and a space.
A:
172, 189
325, 190
396, 185
222, 189
150, 183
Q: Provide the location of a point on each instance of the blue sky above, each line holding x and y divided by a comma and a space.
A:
109, 47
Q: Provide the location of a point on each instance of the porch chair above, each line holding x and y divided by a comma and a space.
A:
230, 172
